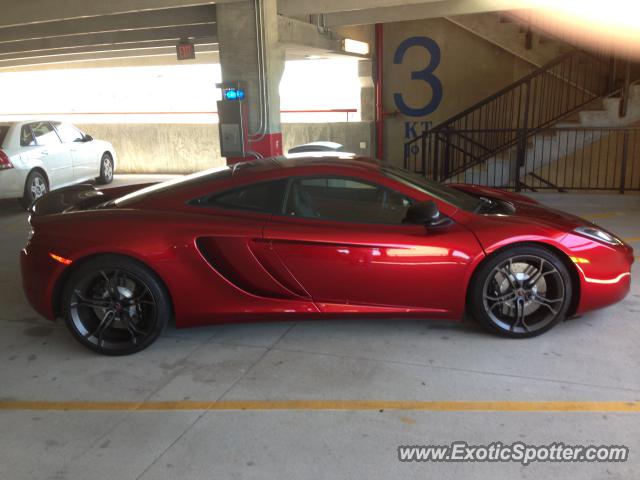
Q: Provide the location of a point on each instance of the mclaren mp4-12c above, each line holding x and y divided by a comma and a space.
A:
306, 238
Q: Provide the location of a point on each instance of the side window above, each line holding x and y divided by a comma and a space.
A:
68, 133
346, 200
44, 133
26, 137
265, 197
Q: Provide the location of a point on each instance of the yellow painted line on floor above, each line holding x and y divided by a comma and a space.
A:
597, 216
10, 227
258, 405
632, 239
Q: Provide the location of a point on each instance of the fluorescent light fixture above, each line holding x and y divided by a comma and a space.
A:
355, 46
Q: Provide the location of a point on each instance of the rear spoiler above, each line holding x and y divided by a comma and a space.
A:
76, 196
79, 197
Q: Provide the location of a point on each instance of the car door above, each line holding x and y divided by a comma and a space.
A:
83, 155
345, 242
236, 248
55, 156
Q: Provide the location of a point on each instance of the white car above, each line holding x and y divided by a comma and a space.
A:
39, 156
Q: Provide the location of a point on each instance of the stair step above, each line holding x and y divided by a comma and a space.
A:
594, 118
510, 36
612, 105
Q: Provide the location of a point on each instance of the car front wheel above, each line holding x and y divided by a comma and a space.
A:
115, 306
521, 292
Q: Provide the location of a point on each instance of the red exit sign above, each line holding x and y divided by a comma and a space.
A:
186, 51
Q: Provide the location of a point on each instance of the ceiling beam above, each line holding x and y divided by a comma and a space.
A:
70, 42
209, 52
309, 7
442, 8
98, 50
35, 11
111, 23
300, 38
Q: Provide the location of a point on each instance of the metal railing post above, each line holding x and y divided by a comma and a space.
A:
624, 101
519, 159
625, 157
435, 160
446, 162
407, 148
423, 153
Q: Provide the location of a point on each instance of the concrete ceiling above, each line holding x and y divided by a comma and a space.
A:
366, 12
135, 33
34, 11
38, 32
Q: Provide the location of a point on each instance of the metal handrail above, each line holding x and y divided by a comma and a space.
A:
534, 102
538, 71
563, 158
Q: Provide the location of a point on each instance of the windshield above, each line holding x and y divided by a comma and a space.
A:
454, 197
206, 176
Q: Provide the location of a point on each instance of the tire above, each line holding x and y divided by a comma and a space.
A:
520, 292
35, 187
114, 305
106, 169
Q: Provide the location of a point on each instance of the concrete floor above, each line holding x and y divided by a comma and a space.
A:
594, 358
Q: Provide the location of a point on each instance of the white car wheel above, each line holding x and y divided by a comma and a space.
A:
35, 187
106, 169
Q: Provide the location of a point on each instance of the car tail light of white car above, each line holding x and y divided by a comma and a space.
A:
5, 163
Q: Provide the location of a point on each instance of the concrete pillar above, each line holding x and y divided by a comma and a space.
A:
239, 61
367, 91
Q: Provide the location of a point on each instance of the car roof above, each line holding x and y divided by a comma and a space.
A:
315, 159
246, 171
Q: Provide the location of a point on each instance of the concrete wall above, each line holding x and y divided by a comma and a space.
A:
158, 148
349, 134
161, 148
470, 69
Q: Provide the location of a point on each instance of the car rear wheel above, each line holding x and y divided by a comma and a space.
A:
521, 292
106, 169
115, 306
35, 187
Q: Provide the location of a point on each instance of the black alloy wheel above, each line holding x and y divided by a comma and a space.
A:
521, 292
115, 306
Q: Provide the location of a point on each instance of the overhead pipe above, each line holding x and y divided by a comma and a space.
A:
379, 119
263, 89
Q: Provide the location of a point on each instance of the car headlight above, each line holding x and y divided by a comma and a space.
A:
599, 235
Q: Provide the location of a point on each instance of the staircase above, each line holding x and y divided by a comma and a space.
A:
548, 147
506, 32
573, 91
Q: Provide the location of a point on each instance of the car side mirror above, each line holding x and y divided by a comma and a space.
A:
88, 138
426, 213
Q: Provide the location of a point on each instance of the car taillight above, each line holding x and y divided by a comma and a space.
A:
4, 161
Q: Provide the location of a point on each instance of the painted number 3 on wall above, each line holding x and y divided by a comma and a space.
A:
425, 75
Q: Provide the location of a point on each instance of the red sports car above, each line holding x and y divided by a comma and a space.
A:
307, 238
